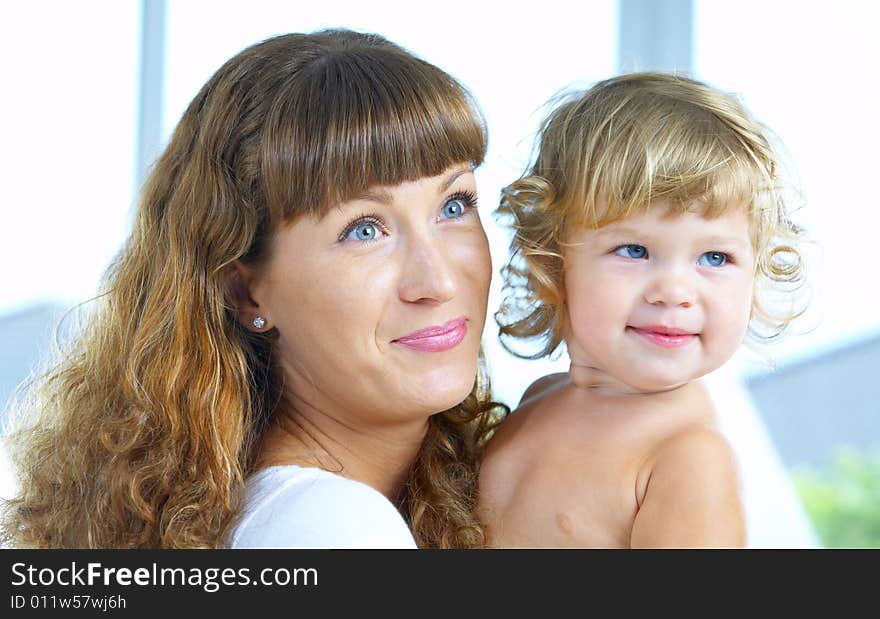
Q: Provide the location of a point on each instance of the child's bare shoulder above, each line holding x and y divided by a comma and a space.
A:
698, 439
700, 450
692, 496
522, 429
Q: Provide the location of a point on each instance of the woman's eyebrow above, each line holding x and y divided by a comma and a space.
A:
376, 195
453, 176
384, 197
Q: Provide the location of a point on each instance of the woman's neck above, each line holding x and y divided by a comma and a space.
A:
306, 435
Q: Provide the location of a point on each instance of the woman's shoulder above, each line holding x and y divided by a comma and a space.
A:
301, 507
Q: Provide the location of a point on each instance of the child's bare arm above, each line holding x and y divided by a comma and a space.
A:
692, 499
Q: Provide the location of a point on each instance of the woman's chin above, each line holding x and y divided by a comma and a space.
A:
444, 388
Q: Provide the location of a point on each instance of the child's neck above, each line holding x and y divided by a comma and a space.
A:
598, 381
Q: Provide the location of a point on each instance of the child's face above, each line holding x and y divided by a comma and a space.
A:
656, 301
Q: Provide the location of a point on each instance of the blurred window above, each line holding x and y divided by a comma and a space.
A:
69, 109
809, 71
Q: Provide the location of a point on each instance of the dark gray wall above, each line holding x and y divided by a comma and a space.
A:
830, 400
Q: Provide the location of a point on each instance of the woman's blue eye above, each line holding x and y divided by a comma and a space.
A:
713, 259
454, 208
632, 251
364, 231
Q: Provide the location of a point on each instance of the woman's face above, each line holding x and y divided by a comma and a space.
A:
379, 306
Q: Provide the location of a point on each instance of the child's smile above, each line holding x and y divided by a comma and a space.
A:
667, 337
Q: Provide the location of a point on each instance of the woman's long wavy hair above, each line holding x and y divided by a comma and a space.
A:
610, 152
144, 433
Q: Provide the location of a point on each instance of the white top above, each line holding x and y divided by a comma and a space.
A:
298, 507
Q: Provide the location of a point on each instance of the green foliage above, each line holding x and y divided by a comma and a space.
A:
843, 500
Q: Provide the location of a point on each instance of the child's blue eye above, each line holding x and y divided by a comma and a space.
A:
636, 252
713, 259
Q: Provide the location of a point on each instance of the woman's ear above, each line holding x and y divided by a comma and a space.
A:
241, 279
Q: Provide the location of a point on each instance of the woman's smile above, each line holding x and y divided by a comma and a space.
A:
436, 338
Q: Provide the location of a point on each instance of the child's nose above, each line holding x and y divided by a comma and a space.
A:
672, 286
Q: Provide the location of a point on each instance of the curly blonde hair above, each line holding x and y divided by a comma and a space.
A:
610, 152
143, 434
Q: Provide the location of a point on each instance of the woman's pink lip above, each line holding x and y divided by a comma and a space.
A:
665, 337
436, 338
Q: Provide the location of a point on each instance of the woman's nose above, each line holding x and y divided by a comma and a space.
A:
427, 275
672, 286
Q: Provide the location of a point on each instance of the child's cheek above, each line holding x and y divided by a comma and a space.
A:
731, 314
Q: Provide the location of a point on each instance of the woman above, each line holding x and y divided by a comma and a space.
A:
299, 305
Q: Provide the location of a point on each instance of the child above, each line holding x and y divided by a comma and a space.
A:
645, 233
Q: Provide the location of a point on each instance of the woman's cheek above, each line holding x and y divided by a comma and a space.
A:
473, 257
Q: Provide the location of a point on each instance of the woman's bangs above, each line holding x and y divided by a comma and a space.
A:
367, 124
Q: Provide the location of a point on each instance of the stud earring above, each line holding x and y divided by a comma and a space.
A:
259, 322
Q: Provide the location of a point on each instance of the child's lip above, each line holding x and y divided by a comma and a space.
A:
665, 337
664, 330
